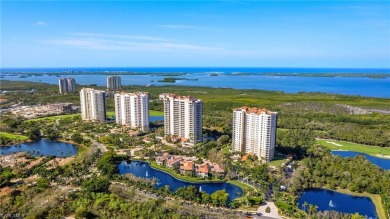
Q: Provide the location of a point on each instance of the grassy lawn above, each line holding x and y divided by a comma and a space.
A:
110, 113
226, 150
53, 118
343, 145
13, 136
155, 113
181, 177
376, 199
243, 186
278, 160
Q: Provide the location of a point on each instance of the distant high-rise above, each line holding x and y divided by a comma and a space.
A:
254, 131
67, 85
183, 117
93, 104
132, 109
114, 83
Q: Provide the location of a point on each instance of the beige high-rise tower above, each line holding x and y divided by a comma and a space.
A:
183, 117
93, 104
254, 131
132, 109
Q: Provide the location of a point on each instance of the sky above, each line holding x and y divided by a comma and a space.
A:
339, 34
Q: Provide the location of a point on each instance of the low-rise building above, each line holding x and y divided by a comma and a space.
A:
173, 162
187, 167
202, 170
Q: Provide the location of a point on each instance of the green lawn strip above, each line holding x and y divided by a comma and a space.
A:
181, 177
242, 185
53, 118
155, 113
277, 162
367, 149
13, 136
376, 199
110, 113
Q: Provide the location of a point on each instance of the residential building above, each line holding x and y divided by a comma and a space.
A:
60, 107
132, 109
93, 104
67, 85
187, 167
202, 170
254, 131
183, 117
174, 162
114, 83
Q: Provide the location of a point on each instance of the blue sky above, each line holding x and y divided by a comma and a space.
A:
195, 33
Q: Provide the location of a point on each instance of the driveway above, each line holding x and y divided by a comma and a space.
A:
272, 214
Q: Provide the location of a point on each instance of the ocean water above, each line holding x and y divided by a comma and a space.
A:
239, 78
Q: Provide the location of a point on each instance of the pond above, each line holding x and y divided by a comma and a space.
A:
42, 147
156, 118
142, 169
327, 200
380, 162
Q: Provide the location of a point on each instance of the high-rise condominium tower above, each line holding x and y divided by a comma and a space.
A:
67, 85
183, 117
254, 131
132, 109
113, 83
93, 104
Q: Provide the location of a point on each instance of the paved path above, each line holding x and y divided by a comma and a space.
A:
272, 214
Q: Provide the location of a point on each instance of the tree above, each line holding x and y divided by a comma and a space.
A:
78, 138
42, 184
224, 139
96, 184
220, 198
268, 209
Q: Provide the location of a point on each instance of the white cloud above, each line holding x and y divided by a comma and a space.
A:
107, 43
40, 23
188, 27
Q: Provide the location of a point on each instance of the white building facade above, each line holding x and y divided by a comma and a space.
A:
67, 85
114, 83
93, 105
254, 132
132, 109
183, 117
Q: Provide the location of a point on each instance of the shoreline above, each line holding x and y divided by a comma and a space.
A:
354, 146
375, 198
177, 177
275, 90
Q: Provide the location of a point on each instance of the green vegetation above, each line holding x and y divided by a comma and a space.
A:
54, 118
349, 146
181, 177
110, 113
10, 138
243, 186
155, 113
170, 80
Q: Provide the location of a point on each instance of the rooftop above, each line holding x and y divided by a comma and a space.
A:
255, 110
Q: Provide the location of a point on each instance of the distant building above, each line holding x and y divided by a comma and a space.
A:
93, 104
183, 117
132, 109
67, 85
61, 107
254, 131
114, 83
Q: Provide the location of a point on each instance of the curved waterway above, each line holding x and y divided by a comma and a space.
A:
327, 200
143, 169
42, 147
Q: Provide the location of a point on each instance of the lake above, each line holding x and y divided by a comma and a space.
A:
380, 162
42, 147
156, 118
142, 169
238, 78
330, 200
